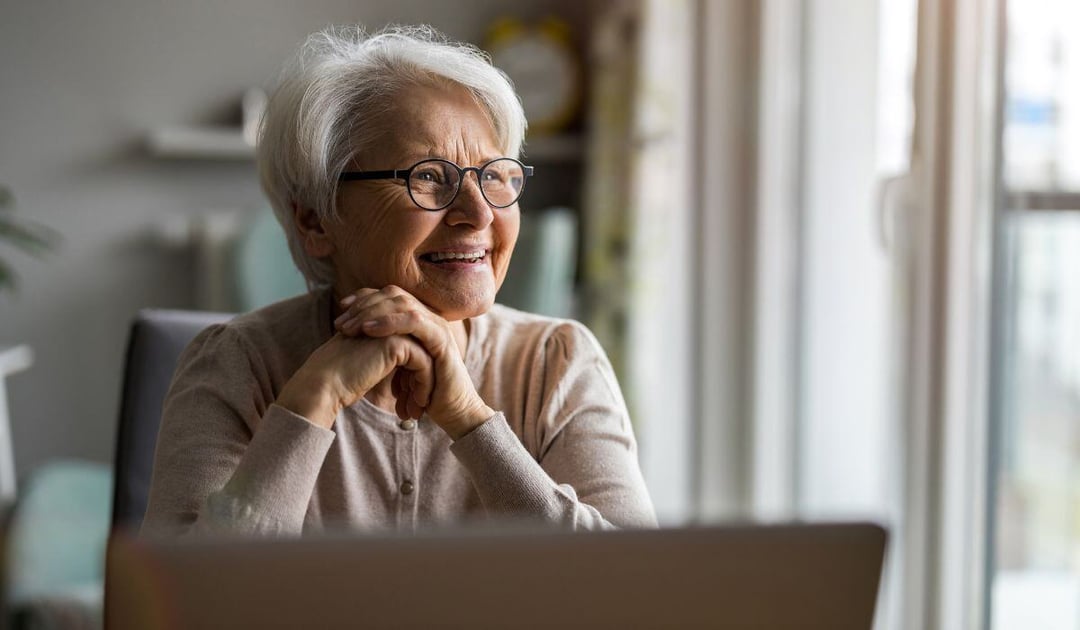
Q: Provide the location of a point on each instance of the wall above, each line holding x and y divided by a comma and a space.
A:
80, 84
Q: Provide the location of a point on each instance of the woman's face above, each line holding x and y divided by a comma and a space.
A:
384, 238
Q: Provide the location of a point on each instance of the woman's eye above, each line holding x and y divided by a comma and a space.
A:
428, 176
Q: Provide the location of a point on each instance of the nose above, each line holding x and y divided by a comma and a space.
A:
470, 208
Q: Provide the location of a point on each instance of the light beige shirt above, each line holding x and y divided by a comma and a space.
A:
560, 449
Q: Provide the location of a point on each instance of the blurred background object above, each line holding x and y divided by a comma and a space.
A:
29, 237
242, 261
262, 268
544, 264
55, 545
544, 66
13, 359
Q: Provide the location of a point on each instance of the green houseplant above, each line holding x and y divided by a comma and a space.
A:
29, 237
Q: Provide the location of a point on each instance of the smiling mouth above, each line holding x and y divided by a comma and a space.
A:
468, 257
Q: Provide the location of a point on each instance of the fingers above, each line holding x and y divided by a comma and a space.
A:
352, 297
414, 381
351, 366
411, 395
393, 311
421, 387
428, 373
426, 328
357, 305
405, 407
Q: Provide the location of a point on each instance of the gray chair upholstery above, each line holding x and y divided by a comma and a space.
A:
157, 339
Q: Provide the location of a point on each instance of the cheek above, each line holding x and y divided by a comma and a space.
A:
378, 237
361, 239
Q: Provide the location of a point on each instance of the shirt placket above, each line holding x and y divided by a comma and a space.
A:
407, 478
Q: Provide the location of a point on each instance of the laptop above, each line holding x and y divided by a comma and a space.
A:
765, 577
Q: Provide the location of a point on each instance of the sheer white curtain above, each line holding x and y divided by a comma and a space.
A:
779, 361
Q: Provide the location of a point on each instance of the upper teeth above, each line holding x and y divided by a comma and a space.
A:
437, 256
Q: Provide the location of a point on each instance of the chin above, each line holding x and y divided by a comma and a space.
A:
462, 305
458, 312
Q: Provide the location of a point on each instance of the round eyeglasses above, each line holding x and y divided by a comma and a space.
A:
435, 183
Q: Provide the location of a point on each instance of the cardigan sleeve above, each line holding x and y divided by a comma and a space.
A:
228, 460
585, 474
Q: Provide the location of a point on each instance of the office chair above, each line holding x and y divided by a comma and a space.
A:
157, 339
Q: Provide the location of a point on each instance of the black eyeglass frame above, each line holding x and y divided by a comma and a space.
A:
405, 174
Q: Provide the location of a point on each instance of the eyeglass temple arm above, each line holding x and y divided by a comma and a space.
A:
349, 176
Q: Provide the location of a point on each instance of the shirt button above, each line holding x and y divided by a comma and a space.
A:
406, 487
407, 425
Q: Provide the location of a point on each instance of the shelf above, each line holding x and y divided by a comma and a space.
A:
200, 143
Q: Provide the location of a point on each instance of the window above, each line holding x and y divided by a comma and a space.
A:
1036, 512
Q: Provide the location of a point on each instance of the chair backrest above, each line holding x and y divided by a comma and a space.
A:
157, 339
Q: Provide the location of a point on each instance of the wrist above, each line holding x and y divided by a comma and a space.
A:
468, 420
310, 400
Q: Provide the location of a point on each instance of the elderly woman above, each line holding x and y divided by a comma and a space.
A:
395, 394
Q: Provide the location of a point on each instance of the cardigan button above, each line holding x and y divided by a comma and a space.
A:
407, 487
407, 425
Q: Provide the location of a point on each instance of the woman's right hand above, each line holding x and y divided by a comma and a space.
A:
344, 369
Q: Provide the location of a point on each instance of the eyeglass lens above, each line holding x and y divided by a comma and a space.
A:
433, 184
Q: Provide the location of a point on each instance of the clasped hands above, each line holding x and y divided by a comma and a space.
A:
380, 334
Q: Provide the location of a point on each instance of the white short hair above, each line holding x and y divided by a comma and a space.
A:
340, 80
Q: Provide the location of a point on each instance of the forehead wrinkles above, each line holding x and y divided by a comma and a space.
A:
428, 122
462, 147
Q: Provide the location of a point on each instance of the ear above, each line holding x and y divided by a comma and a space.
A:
316, 241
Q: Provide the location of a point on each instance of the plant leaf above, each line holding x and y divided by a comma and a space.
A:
32, 238
8, 279
29, 237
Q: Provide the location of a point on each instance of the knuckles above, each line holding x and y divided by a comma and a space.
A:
400, 350
363, 293
397, 348
413, 317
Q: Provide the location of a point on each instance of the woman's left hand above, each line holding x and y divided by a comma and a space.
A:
455, 404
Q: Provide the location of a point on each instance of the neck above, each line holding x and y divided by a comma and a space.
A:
460, 331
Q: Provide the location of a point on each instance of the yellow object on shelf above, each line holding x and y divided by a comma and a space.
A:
544, 66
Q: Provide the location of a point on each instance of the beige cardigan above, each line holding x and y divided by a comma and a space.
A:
560, 449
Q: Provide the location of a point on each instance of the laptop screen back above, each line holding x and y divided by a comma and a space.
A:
793, 576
